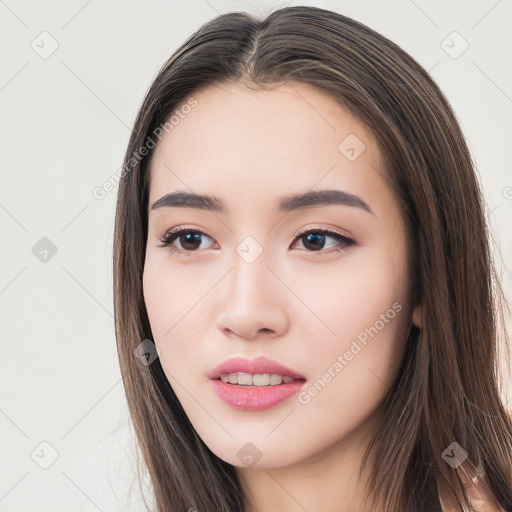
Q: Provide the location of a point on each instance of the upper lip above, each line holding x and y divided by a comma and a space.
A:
259, 365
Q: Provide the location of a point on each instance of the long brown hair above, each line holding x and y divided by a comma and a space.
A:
448, 387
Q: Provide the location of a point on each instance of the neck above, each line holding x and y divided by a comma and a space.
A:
328, 481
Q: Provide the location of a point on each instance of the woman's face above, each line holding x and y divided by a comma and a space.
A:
253, 274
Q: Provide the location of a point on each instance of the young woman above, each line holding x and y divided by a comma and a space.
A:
306, 314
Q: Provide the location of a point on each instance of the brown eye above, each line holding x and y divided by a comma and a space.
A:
189, 239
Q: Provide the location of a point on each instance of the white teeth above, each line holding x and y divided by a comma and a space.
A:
245, 379
259, 379
262, 379
275, 379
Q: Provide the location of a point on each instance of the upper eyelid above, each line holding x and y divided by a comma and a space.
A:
179, 229
300, 232
337, 231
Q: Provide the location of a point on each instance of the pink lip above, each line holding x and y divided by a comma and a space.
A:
254, 398
258, 365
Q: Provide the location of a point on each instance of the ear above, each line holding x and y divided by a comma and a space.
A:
417, 317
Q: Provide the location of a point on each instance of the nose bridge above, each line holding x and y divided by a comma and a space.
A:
250, 275
253, 301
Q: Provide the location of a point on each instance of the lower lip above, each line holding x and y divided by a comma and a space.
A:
255, 398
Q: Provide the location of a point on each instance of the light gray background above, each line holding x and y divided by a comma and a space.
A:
65, 126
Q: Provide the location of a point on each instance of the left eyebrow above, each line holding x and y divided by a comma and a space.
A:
322, 198
289, 203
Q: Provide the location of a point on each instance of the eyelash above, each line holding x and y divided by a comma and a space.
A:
173, 234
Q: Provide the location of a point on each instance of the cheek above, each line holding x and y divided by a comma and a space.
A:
177, 304
351, 296
364, 307
164, 313
367, 301
169, 293
161, 298
352, 372
155, 299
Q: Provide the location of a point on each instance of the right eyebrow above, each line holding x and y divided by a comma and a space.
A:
189, 200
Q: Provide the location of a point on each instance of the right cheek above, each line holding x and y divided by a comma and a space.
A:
154, 305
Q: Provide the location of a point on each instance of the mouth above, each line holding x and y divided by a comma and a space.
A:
256, 380
259, 368
255, 397
254, 385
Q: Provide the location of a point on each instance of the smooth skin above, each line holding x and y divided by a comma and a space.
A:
294, 304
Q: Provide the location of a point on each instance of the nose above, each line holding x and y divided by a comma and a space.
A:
254, 303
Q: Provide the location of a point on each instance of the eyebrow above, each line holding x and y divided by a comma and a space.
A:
289, 203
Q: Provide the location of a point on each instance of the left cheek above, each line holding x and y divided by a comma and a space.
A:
363, 316
368, 324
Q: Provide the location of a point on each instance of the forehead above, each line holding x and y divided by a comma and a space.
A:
238, 142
